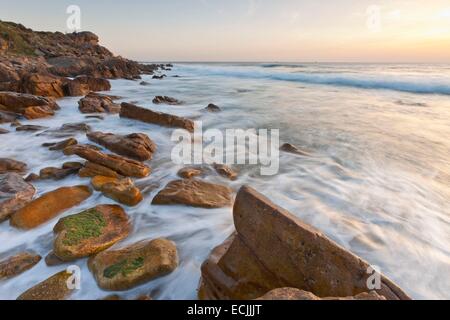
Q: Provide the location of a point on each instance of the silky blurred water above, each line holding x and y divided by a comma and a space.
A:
377, 180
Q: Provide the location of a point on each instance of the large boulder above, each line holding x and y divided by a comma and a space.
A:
122, 191
45, 85
15, 193
122, 165
98, 103
17, 264
49, 206
54, 288
134, 265
89, 232
132, 111
136, 145
30, 106
194, 193
273, 249
82, 85
11, 165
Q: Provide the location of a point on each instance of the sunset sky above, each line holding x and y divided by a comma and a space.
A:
255, 30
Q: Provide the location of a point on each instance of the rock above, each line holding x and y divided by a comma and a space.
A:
61, 144
76, 127
92, 169
136, 145
159, 77
166, 100
3, 131
76, 166
134, 265
6, 116
144, 83
56, 173
89, 232
287, 147
52, 260
45, 85
11, 165
273, 249
163, 119
54, 288
194, 193
225, 171
30, 127
189, 172
49, 206
122, 191
213, 108
296, 294
15, 193
82, 85
32, 177
95, 103
18, 264
30, 106
122, 165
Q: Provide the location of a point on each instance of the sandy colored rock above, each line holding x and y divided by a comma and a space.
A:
225, 171
194, 193
163, 119
89, 232
122, 165
189, 172
56, 173
91, 169
32, 177
72, 165
11, 165
18, 264
273, 249
95, 103
45, 85
54, 288
49, 206
134, 265
166, 100
82, 85
297, 294
120, 190
61, 145
15, 193
136, 145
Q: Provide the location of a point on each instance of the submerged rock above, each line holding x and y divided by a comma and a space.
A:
194, 193
96, 103
30, 127
273, 249
49, 206
146, 115
213, 108
3, 131
122, 165
287, 147
89, 232
225, 171
136, 145
15, 193
166, 100
11, 165
122, 191
297, 294
54, 288
134, 265
17, 264
190, 172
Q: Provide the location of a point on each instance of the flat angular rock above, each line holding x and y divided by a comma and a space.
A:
49, 206
122, 191
89, 232
45, 85
54, 288
134, 265
273, 249
92, 169
30, 127
56, 173
124, 166
194, 193
163, 119
30, 106
11, 165
17, 264
61, 144
136, 145
15, 193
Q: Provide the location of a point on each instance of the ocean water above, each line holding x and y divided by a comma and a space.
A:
376, 180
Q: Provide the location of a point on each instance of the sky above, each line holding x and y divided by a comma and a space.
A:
254, 30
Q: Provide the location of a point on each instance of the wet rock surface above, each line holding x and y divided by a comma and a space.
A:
15, 193
166, 100
17, 264
120, 190
53, 288
96, 103
11, 165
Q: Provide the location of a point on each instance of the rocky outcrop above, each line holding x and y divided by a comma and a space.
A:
89, 232
122, 191
166, 100
136, 145
15, 193
213, 108
92, 169
297, 294
131, 111
27, 105
273, 249
139, 263
225, 171
122, 165
54, 288
96, 103
49, 206
17, 264
11, 165
194, 193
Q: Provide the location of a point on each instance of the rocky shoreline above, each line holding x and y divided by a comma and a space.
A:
272, 255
